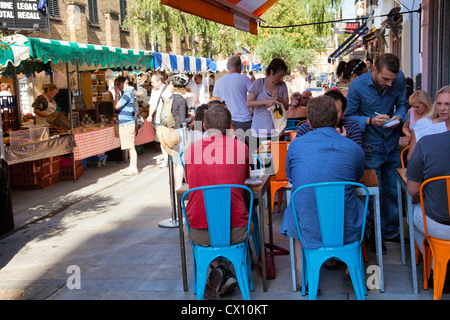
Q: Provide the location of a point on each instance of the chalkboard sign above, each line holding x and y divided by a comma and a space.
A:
79, 102
75, 120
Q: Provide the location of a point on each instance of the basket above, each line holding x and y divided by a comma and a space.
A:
59, 119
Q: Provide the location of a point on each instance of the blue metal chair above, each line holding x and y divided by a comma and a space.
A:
330, 197
217, 200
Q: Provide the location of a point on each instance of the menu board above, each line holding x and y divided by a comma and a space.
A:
22, 15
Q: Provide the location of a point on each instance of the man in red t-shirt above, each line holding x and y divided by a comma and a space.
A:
217, 159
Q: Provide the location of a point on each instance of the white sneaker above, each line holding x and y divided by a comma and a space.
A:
130, 172
163, 165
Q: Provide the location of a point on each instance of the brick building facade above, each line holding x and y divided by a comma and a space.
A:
91, 21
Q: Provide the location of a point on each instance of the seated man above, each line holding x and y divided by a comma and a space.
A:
429, 160
340, 159
345, 127
217, 159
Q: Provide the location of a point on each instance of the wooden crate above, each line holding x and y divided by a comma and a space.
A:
66, 173
35, 174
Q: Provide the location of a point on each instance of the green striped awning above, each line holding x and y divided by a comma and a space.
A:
13, 53
89, 54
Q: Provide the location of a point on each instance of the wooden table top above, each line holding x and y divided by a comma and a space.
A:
402, 173
370, 178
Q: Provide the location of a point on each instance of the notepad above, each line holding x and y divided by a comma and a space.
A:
391, 123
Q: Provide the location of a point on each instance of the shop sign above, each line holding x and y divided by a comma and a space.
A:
346, 27
21, 15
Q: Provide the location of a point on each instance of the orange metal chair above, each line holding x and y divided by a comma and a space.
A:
403, 156
278, 150
435, 249
290, 134
301, 122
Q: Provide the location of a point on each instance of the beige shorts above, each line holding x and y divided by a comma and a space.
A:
126, 136
201, 236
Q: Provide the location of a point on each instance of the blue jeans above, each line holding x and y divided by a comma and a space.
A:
385, 165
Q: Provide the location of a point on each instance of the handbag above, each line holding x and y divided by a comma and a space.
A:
279, 116
270, 259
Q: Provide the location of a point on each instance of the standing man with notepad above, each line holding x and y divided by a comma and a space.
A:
376, 101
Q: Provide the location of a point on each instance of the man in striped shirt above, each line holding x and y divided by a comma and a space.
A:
125, 105
345, 127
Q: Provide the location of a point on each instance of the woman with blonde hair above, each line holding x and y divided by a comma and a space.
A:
44, 105
436, 121
421, 105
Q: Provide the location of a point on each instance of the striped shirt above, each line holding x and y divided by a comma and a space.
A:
126, 112
352, 128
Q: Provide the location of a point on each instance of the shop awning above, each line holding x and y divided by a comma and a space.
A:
13, 53
241, 14
177, 63
88, 55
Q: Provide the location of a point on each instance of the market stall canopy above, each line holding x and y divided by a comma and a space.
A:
241, 14
221, 66
177, 63
13, 53
89, 56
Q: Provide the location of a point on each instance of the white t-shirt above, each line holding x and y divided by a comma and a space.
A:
425, 126
153, 102
199, 90
232, 88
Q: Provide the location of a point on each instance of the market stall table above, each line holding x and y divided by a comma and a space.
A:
53, 147
94, 140
258, 194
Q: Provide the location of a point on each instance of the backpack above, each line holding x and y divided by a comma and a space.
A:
166, 118
138, 118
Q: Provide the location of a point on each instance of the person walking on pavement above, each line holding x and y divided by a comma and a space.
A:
374, 99
125, 105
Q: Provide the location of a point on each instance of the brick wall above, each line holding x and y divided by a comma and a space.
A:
74, 25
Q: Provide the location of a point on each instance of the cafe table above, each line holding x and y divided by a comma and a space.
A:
401, 185
258, 194
370, 180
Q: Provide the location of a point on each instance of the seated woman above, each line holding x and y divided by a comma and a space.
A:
296, 111
348, 72
436, 121
421, 105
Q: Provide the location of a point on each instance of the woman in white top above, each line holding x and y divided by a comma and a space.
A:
265, 92
421, 105
437, 121
44, 105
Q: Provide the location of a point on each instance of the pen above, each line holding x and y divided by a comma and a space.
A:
379, 114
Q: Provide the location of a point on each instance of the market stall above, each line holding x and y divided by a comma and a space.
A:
86, 70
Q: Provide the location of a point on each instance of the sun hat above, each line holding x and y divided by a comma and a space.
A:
169, 139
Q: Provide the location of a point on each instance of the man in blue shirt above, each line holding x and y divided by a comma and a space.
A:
374, 99
125, 105
322, 155
345, 127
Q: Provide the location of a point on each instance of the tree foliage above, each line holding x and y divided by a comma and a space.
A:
296, 45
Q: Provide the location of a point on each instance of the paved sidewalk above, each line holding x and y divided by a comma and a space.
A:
99, 239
